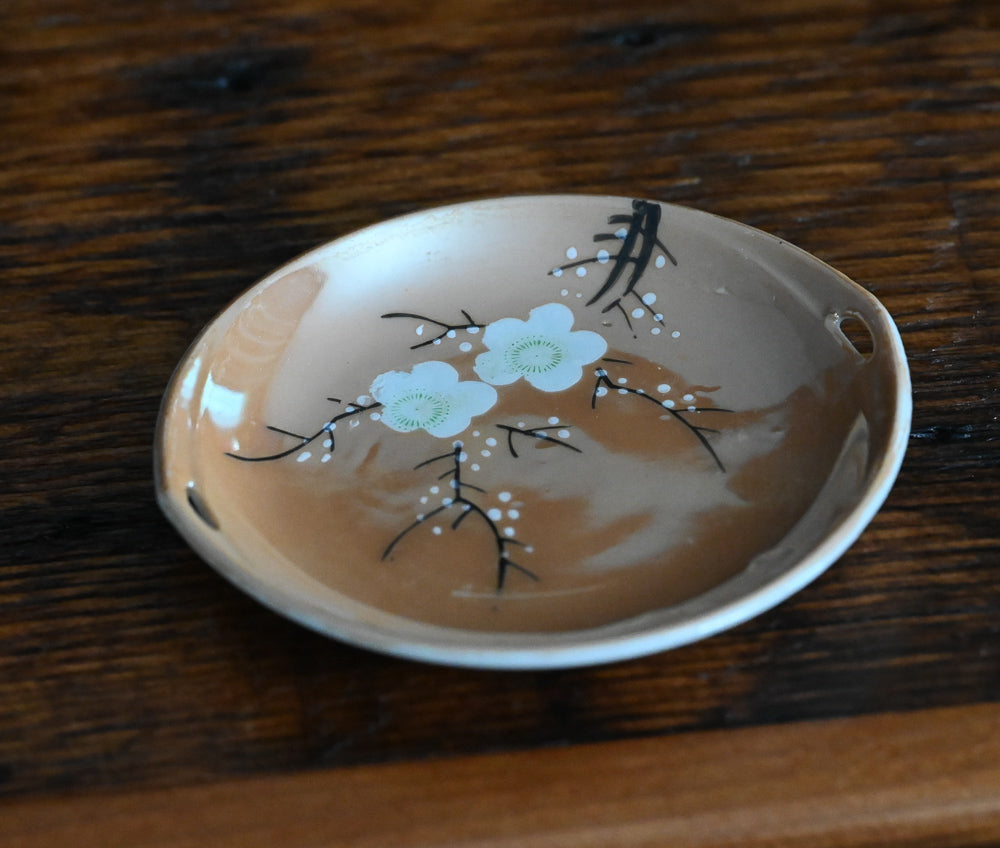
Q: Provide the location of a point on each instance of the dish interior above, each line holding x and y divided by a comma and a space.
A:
535, 415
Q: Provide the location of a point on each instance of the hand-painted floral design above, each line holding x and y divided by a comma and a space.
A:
430, 397
543, 350
546, 352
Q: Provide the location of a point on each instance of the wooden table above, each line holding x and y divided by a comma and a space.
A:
157, 158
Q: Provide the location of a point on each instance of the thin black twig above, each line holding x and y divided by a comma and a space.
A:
637, 245
699, 432
465, 507
446, 328
327, 429
540, 433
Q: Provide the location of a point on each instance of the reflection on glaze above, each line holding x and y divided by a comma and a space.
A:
224, 405
189, 382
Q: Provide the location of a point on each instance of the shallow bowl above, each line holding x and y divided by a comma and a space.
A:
535, 431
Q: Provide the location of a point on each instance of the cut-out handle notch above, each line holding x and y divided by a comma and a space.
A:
197, 503
857, 334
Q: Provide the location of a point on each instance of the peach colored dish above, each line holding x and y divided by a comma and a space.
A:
535, 431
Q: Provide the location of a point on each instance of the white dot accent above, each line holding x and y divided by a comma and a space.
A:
446, 501
564, 292
649, 298
513, 514
663, 388
451, 334
623, 391
485, 453
465, 347
505, 496
579, 294
420, 330
541, 434
436, 531
603, 256
509, 531
622, 381
676, 334
328, 443
621, 233
495, 514
302, 457
491, 442
326, 457
692, 408
601, 391
557, 272
571, 253
521, 424
375, 416
669, 404
529, 549
581, 271
330, 427
437, 341
434, 490
655, 331
463, 456
563, 434
475, 466
553, 420
475, 432
658, 316
472, 330
661, 260
349, 409
354, 422
638, 312
688, 397
423, 499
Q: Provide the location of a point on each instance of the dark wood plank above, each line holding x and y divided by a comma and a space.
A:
155, 159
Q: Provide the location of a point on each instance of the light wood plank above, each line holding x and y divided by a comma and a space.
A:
926, 778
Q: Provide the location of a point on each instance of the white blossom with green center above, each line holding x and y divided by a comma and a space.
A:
543, 350
430, 397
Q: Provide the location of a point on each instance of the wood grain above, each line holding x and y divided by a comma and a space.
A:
156, 159
933, 780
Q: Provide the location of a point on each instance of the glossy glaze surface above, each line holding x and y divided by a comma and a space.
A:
531, 415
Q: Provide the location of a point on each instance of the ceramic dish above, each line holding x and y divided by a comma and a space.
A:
535, 431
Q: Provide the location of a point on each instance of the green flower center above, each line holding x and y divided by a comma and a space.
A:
534, 355
418, 409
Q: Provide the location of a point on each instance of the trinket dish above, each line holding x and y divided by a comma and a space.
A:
535, 431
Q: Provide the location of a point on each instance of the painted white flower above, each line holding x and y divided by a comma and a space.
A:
430, 397
542, 349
